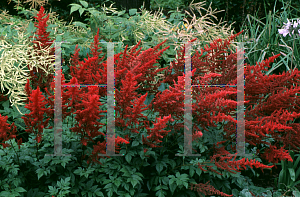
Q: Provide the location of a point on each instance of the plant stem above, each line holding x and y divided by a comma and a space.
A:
293, 53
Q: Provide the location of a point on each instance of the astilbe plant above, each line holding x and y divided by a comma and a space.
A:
136, 69
41, 78
167, 98
267, 117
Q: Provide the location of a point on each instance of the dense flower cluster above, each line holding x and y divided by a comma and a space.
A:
135, 68
290, 28
207, 189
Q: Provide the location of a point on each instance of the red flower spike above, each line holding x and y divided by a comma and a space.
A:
35, 117
136, 69
5, 131
39, 79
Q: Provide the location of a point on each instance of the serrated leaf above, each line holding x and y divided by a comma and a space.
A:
108, 186
128, 158
40, 172
133, 182
126, 186
5, 193
165, 180
106, 181
178, 182
171, 181
192, 171
84, 3
20, 189
99, 193
110, 193
75, 7
159, 167
81, 10
186, 185
157, 188
173, 187
161, 193
117, 183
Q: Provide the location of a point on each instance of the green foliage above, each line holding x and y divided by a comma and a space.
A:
264, 40
27, 172
289, 175
170, 4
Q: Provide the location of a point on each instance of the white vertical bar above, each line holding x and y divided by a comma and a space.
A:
240, 147
110, 141
57, 105
188, 124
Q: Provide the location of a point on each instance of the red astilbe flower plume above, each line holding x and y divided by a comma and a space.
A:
136, 112
157, 133
275, 103
6, 133
100, 148
41, 79
213, 62
209, 100
206, 189
272, 123
142, 63
65, 96
130, 69
90, 68
34, 120
125, 96
130, 65
87, 117
275, 156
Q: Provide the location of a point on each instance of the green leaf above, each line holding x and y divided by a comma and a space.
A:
107, 181
159, 167
173, 187
74, 7
40, 172
161, 193
128, 158
292, 173
117, 182
178, 182
5, 193
171, 181
132, 11
121, 13
172, 163
20, 189
296, 193
110, 193
165, 180
192, 171
108, 186
157, 188
81, 10
99, 193
135, 143
133, 182
186, 185
79, 24
84, 3
30, 28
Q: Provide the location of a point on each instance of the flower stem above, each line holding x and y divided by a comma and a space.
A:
293, 53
